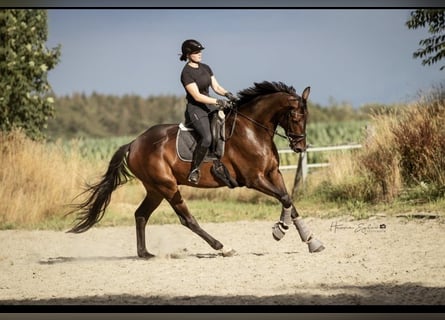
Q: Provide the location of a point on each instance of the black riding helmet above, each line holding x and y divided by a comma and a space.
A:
190, 46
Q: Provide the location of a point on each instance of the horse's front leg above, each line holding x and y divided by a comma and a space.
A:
306, 235
274, 186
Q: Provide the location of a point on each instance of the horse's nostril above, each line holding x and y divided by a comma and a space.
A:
301, 147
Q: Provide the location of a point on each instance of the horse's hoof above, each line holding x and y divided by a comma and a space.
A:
145, 255
228, 252
315, 245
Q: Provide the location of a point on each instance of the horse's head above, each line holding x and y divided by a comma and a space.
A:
289, 110
294, 121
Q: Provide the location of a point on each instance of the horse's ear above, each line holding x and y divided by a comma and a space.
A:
306, 92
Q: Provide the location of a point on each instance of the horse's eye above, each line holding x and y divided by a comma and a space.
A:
295, 116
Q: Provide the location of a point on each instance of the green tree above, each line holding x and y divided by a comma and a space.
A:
25, 94
432, 48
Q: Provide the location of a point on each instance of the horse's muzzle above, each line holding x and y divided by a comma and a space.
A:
297, 143
299, 150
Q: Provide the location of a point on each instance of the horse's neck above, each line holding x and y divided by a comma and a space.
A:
254, 128
265, 112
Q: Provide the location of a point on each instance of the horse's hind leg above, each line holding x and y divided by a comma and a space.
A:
187, 219
142, 214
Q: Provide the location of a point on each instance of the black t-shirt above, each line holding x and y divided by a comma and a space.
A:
201, 76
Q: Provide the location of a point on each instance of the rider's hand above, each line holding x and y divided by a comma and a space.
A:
230, 96
222, 104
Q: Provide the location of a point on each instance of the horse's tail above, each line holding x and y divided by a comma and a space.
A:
93, 209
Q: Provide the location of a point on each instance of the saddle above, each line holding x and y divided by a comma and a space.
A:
186, 142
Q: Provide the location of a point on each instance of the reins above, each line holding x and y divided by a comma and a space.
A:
237, 112
256, 123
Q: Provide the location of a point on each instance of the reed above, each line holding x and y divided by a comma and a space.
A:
37, 180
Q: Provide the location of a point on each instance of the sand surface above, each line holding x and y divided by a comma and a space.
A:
384, 260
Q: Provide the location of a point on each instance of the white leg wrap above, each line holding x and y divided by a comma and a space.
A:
314, 245
279, 230
303, 230
286, 216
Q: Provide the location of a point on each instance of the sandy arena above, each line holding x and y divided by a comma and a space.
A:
384, 260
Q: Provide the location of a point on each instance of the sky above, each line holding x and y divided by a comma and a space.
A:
345, 55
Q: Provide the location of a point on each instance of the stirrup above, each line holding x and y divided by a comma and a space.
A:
194, 176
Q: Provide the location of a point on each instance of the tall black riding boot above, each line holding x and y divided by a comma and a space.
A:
198, 158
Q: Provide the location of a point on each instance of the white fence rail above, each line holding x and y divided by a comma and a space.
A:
303, 167
316, 149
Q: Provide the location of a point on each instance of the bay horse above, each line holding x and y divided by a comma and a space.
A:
250, 157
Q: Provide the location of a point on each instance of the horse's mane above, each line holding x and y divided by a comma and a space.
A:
263, 88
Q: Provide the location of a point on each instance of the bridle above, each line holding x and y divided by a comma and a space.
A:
292, 137
295, 138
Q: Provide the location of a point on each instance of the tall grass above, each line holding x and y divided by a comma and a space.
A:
404, 156
379, 161
420, 141
36, 180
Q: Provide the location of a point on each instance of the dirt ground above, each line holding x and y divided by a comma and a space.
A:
383, 260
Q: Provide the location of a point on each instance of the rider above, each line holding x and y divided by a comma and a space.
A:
197, 77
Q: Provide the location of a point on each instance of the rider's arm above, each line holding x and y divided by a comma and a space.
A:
192, 88
217, 87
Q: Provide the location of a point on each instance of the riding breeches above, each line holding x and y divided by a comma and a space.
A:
199, 117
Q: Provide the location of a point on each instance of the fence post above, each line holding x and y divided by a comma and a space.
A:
303, 167
301, 173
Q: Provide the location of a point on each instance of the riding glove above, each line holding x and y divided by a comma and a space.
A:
223, 104
230, 96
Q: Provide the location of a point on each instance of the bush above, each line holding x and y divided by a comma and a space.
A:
379, 159
420, 141
404, 149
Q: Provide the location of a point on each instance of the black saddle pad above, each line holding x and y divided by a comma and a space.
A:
186, 142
